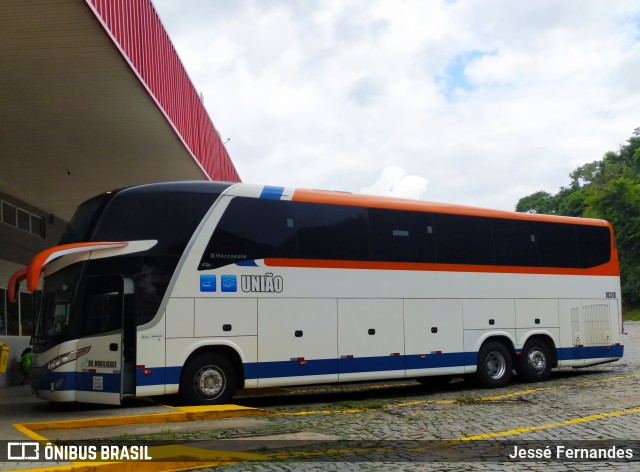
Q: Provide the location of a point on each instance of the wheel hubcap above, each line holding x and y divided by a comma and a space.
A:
496, 365
209, 382
536, 360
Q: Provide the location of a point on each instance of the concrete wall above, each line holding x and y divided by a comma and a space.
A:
20, 246
17, 247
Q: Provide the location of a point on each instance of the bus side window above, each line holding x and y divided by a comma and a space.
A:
514, 242
557, 245
594, 245
332, 232
401, 236
463, 239
251, 229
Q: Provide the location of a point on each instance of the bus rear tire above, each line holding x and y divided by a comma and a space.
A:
534, 364
208, 379
495, 365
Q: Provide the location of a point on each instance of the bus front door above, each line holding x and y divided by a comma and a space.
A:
100, 372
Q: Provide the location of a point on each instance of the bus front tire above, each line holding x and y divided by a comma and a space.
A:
208, 379
495, 365
534, 364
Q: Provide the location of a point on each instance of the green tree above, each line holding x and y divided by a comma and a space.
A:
539, 202
607, 189
618, 201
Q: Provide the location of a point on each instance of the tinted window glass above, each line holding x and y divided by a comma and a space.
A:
169, 217
251, 229
55, 323
514, 242
594, 245
257, 229
401, 236
332, 232
463, 239
557, 245
103, 306
83, 220
150, 275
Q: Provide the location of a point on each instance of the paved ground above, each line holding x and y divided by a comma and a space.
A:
401, 425
402, 420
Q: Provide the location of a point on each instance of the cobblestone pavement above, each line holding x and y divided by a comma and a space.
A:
381, 426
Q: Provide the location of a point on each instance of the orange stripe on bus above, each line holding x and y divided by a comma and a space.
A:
338, 198
14, 283
609, 269
41, 259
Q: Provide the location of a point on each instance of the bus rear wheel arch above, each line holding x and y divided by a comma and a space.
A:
535, 362
208, 378
495, 365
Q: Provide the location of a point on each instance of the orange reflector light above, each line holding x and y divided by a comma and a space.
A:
423, 356
146, 371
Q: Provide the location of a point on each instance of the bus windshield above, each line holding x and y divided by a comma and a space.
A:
54, 323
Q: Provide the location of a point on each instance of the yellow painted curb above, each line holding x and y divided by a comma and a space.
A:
165, 458
181, 414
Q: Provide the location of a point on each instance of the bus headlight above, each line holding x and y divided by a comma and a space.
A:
65, 358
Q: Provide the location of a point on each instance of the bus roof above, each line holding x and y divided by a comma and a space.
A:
341, 198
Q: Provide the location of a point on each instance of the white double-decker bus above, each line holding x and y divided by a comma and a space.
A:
202, 288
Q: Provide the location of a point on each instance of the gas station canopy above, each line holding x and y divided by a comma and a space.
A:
94, 97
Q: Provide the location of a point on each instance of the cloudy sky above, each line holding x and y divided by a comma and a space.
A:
471, 102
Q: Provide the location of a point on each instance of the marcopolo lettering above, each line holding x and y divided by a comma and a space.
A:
267, 283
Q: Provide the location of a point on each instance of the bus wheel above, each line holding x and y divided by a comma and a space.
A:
534, 364
495, 365
208, 379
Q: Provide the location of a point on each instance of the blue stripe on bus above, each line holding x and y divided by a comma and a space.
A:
44, 383
83, 381
589, 352
265, 370
157, 376
272, 193
250, 263
110, 382
434, 361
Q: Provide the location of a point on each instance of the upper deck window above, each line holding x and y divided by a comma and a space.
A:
257, 229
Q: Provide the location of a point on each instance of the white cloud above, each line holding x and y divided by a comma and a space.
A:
393, 181
492, 100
